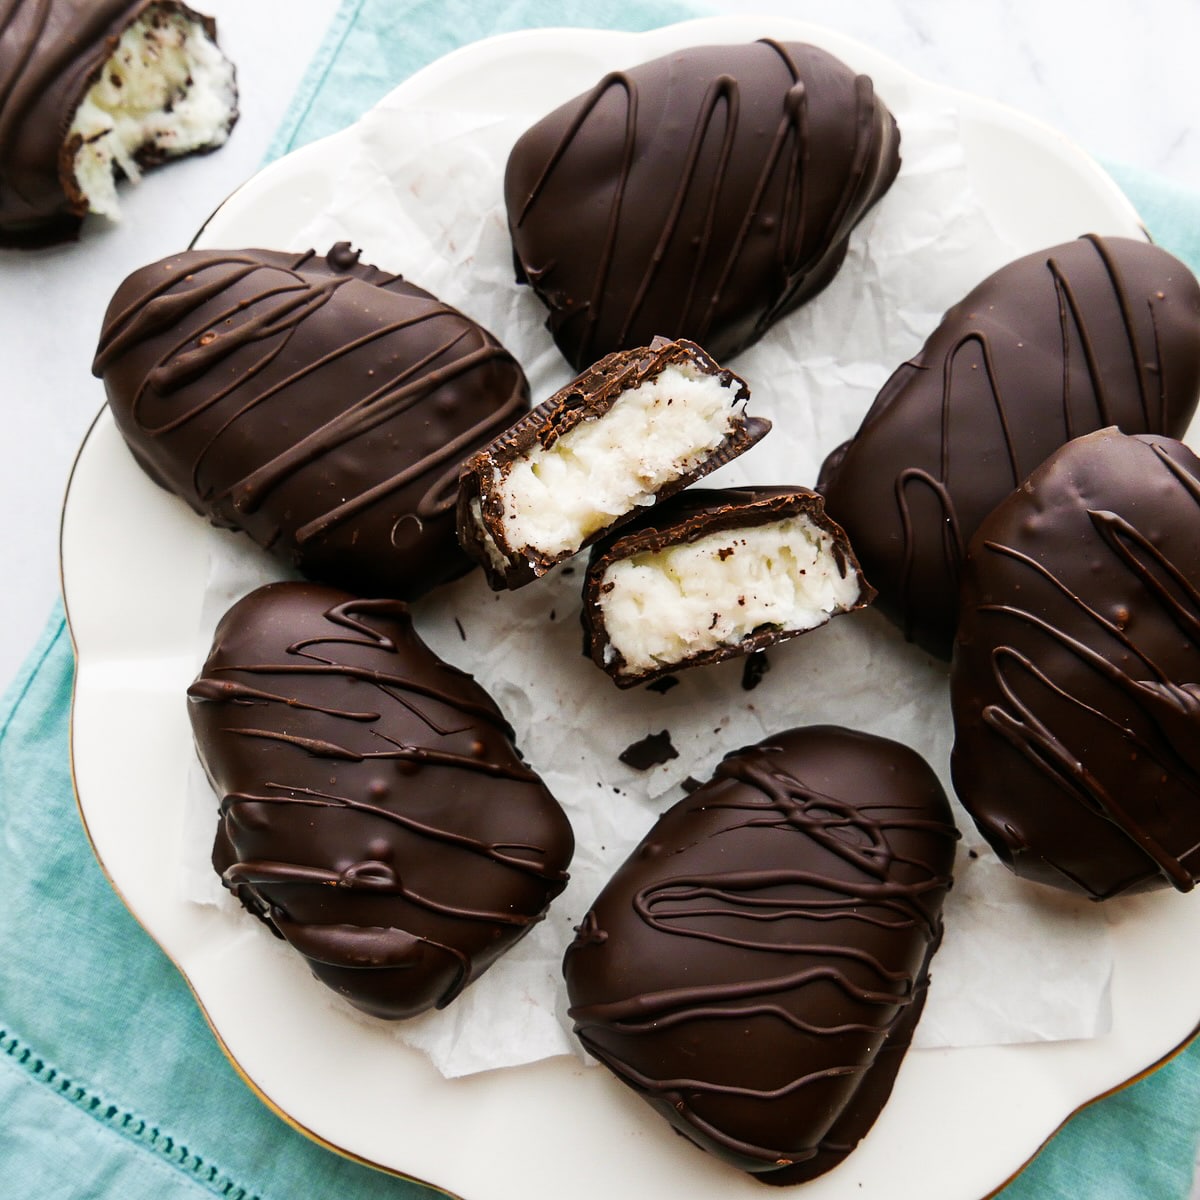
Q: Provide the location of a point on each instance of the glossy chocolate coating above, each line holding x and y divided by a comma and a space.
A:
1096, 332
1076, 676
320, 405
703, 195
374, 811
685, 518
756, 968
50, 54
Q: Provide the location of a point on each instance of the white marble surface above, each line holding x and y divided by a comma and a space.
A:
1113, 75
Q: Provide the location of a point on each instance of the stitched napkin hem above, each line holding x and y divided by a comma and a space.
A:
133, 1130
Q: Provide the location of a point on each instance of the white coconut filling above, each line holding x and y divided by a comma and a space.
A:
555, 498
166, 87
664, 606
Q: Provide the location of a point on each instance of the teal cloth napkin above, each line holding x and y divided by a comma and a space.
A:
111, 1084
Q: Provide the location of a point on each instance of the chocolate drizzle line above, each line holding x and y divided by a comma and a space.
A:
776, 953
19, 84
438, 730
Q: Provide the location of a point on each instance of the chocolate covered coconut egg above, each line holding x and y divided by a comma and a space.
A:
320, 405
755, 969
373, 809
702, 195
94, 90
1076, 676
712, 574
1095, 332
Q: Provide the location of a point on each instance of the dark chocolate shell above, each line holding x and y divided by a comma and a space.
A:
321, 405
702, 195
374, 811
756, 968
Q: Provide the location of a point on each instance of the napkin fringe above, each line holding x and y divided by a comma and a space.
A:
126, 1124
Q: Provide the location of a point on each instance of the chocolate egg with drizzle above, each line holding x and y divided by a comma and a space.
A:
374, 811
321, 405
1095, 332
756, 968
1076, 676
701, 195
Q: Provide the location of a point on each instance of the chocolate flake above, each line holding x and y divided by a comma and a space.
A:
755, 667
651, 751
663, 684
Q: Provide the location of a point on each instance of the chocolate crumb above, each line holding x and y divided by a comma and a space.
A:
690, 784
653, 750
756, 666
462, 633
663, 685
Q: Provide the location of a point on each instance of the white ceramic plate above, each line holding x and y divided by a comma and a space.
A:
134, 562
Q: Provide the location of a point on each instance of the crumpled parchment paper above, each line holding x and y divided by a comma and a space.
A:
419, 192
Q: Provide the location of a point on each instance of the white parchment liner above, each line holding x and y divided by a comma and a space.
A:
420, 194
